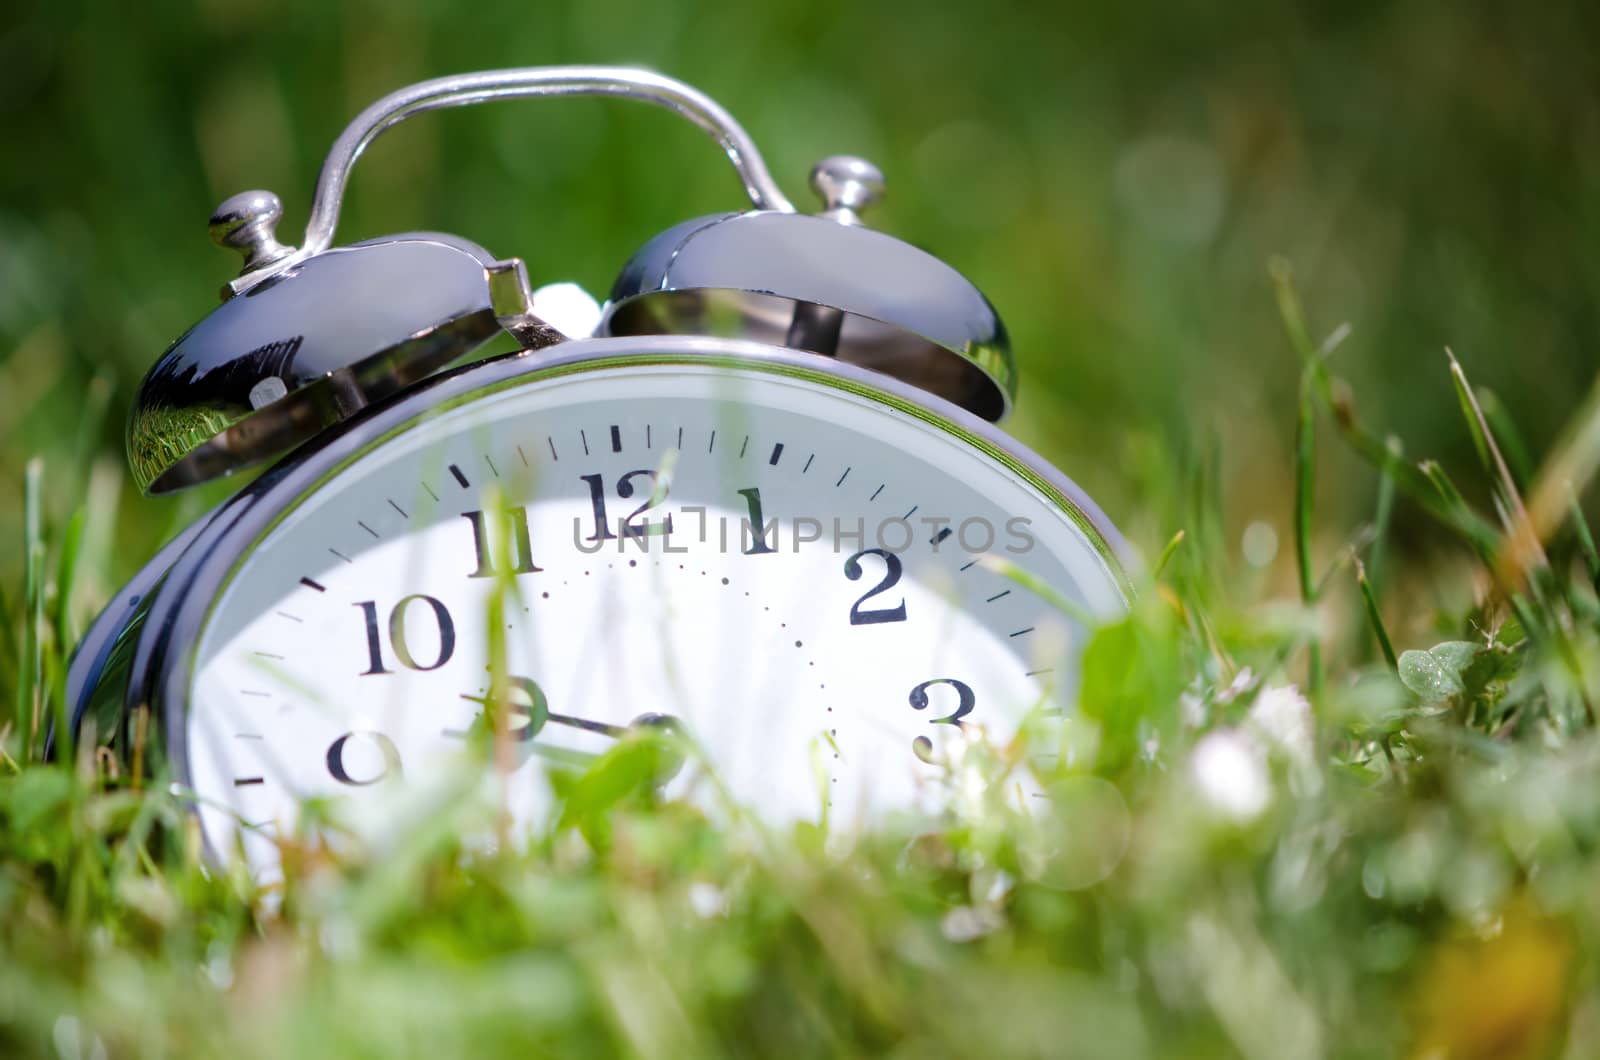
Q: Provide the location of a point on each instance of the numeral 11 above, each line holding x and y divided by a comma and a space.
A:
521, 545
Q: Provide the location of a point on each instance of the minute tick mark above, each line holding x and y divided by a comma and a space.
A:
492, 468
743, 447
291, 618
969, 566
430, 492
713, 444
810, 458
269, 655
341, 555
1020, 632
399, 509
842, 477
998, 595
584, 438
876, 492
552, 443
523, 455
908, 515
459, 477
367, 528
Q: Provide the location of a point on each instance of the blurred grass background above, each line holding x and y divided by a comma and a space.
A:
1115, 176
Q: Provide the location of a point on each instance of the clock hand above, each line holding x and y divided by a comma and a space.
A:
588, 724
539, 715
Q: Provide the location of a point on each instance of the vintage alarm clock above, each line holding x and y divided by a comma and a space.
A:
757, 497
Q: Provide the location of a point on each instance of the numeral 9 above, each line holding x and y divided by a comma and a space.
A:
385, 746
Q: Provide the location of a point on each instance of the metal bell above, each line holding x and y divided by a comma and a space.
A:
823, 283
306, 347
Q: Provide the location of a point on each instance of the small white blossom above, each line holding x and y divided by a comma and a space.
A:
1230, 770
1242, 682
966, 923
707, 900
1281, 717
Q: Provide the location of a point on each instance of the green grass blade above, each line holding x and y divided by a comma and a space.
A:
1568, 470
30, 674
1166, 554
1374, 616
1304, 515
1507, 434
1580, 525
1523, 548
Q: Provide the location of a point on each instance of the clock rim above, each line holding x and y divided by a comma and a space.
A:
161, 668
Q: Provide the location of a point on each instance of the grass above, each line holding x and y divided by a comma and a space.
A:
1295, 834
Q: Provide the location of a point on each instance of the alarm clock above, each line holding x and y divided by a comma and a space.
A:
757, 498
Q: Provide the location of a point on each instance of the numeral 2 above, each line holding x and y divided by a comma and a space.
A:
397, 635
517, 537
853, 571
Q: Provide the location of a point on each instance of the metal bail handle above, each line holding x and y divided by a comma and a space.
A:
245, 222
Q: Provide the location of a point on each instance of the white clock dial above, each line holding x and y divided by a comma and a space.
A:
816, 665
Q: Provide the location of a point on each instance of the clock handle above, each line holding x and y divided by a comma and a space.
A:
463, 89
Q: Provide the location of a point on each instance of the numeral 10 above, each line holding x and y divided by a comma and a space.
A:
397, 626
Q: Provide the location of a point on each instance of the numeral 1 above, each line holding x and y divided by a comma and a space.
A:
597, 499
520, 543
758, 529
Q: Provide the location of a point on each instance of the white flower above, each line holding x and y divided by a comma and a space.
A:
965, 923
1242, 682
707, 900
1230, 770
1281, 718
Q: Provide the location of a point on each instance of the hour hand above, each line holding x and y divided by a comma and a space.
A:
532, 705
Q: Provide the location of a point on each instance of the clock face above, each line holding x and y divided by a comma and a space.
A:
822, 588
